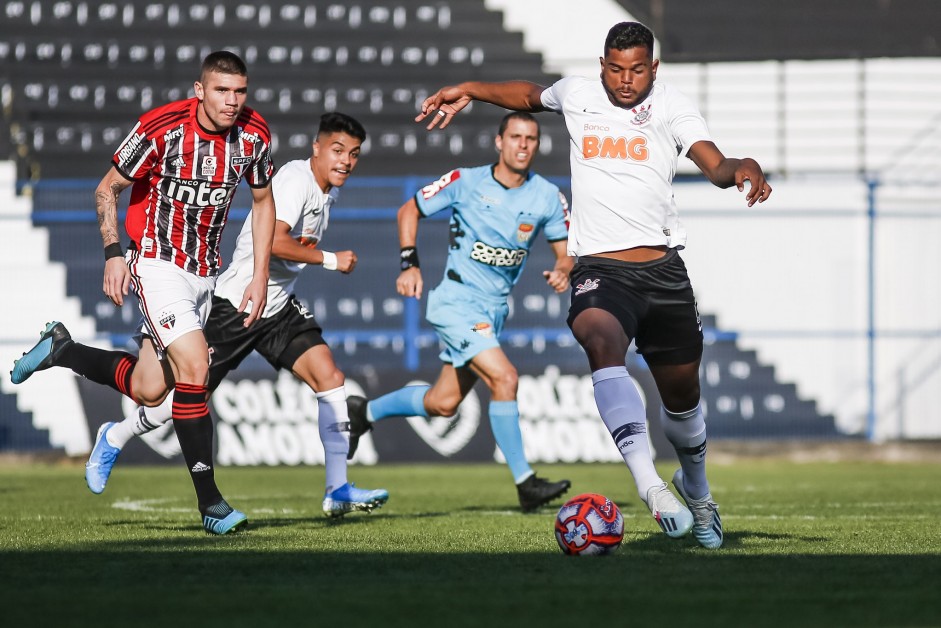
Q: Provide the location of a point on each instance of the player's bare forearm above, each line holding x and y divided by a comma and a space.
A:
407, 220
106, 205
563, 261
447, 101
516, 95
117, 277
409, 282
724, 172
558, 277
723, 175
287, 248
263, 222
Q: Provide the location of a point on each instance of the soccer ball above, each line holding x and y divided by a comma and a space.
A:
589, 525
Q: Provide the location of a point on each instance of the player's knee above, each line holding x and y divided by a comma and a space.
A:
602, 351
195, 371
505, 383
150, 395
602, 338
598, 346
329, 380
681, 401
442, 406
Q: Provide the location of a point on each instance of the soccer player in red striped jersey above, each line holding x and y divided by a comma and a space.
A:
183, 162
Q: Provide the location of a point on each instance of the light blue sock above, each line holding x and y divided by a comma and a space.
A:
407, 401
505, 423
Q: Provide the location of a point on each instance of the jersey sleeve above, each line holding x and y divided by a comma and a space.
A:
553, 96
262, 167
136, 154
290, 196
439, 194
686, 123
557, 226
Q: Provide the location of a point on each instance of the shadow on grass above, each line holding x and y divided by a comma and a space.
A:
236, 582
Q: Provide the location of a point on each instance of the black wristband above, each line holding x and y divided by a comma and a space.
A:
113, 250
408, 258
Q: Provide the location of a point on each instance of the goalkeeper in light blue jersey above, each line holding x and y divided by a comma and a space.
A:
498, 211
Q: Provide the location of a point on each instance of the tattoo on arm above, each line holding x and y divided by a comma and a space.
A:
106, 204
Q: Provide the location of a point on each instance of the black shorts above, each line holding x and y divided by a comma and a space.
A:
653, 301
281, 339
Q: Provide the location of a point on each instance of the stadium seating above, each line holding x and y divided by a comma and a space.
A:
75, 75
797, 29
79, 74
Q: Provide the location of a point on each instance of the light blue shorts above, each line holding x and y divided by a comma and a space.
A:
466, 321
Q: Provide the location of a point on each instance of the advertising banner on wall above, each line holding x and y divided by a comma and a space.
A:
267, 418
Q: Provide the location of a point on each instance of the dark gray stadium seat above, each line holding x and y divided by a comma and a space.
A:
80, 73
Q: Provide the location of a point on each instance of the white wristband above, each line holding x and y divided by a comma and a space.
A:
329, 260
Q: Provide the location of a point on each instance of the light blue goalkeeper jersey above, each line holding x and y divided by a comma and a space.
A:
492, 227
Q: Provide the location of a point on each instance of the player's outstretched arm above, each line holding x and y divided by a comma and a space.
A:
725, 171
447, 101
263, 219
287, 248
558, 277
409, 282
117, 277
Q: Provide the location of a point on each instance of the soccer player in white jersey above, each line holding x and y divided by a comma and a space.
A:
183, 162
629, 282
286, 334
497, 212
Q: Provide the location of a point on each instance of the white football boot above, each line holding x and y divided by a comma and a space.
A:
674, 518
707, 526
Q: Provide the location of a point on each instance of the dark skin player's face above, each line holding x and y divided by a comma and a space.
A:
628, 75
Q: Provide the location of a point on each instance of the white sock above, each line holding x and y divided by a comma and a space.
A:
686, 431
334, 426
139, 422
622, 411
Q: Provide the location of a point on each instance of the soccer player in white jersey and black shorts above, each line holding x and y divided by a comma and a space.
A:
286, 334
184, 161
629, 282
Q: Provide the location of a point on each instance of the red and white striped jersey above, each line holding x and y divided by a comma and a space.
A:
185, 178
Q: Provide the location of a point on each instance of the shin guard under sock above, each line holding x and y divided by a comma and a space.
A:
194, 430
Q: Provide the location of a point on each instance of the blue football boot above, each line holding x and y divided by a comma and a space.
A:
348, 498
223, 519
52, 341
102, 458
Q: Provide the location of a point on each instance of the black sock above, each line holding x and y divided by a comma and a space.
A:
109, 368
193, 427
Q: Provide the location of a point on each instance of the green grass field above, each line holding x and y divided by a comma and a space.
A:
822, 544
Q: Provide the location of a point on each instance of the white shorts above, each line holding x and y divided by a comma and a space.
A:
173, 301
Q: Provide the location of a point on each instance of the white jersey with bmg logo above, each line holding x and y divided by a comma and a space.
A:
623, 162
300, 203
